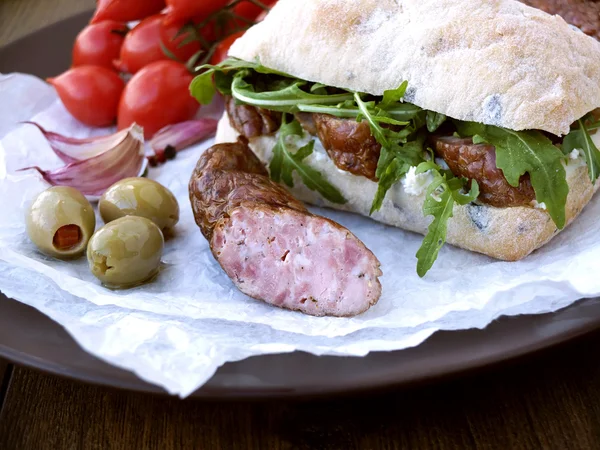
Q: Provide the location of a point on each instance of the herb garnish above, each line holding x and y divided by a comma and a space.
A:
442, 193
580, 139
520, 152
284, 163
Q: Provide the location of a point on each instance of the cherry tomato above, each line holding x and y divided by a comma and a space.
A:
251, 11
99, 44
209, 32
261, 16
90, 93
182, 10
142, 45
168, 31
126, 10
223, 47
157, 96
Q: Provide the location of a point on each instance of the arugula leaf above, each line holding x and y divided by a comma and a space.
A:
441, 195
376, 130
319, 89
580, 139
239, 64
434, 120
397, 155
285, 99
400, 112
284, 163
479, 140
520, 152
393, 96
393, 164
202, 88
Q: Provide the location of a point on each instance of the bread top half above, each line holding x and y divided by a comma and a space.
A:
497, 62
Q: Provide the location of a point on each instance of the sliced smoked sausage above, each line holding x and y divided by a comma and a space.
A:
271, 246
478, 162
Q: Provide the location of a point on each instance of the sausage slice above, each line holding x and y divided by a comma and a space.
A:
349, 144
251, 121
478, 162
271, 246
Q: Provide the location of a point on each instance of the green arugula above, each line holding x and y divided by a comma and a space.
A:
399, 149
580, 139
284, 163
434, 121
401, 112
393, 164
520, 152
285, 99
441, 195
202, 87
393, 96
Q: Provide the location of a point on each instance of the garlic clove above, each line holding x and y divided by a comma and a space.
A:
120, 156
70, 149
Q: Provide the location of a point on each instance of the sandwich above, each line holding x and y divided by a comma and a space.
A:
473, 123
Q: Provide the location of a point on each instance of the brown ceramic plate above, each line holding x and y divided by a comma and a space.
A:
30, 338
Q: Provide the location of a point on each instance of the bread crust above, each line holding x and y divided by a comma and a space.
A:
513, 66
508, 234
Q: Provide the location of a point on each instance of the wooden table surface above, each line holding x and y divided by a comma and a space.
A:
549, 401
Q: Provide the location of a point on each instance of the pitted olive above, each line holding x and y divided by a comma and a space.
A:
60, 222
140, 197
126, 252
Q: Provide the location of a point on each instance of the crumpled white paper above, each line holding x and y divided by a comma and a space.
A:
178, 330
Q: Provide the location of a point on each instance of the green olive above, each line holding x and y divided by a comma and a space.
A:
60, 222
140, 197
126, 252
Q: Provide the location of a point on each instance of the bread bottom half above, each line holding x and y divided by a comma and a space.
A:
508, 234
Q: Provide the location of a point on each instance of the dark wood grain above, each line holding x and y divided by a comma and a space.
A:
550, 401
21, 17
3, 366
5, 377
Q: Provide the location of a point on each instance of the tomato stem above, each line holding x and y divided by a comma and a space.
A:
259, 4
168, 52
217, 17
242, 18
191, 63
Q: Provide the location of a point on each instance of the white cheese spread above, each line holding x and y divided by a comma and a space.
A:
414, 184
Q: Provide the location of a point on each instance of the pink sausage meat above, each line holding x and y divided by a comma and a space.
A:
272, 247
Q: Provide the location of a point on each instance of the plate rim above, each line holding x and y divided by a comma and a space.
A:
462, 367
138, 385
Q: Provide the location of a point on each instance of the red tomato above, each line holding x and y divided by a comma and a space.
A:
126, 10
99, 44
182, 10
168, 32
157, 96
261, 16
223, 47
208, 32
142, 45
90, 93
251, 11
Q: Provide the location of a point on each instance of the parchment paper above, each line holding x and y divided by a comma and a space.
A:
178, 330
